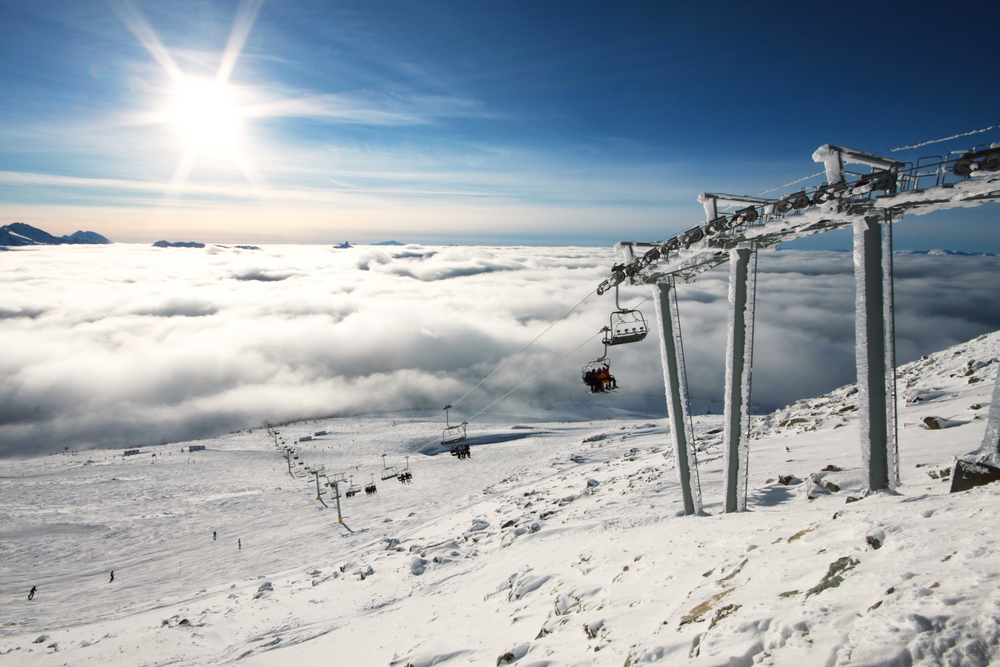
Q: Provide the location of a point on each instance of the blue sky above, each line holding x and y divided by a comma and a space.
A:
454, 122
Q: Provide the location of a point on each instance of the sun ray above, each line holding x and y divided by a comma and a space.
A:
203, 109
246, 15
184, 167
137, 23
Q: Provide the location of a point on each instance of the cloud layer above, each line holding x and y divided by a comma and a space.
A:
128, 344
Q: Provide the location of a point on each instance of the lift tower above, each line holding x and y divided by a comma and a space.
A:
871, 202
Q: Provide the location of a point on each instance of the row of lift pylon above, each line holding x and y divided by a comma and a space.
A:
405, 476
627, 325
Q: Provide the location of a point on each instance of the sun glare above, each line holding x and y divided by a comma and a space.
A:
205, 112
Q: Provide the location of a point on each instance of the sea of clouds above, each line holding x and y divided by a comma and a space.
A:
130, 344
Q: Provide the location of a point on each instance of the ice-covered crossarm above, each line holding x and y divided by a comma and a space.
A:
834, 157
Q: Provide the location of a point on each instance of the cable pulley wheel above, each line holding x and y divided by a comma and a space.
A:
963, 167
800, 202
884, 182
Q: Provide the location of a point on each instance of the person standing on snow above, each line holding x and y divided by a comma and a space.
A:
112, 576
239, 544
213, 534
31, 593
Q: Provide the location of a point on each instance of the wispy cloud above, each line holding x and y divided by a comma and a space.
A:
369, 109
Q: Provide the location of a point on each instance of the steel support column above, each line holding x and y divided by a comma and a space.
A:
737, 401
989, 450
676, 398
870, 349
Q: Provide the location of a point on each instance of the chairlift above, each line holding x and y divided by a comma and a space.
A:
371, 489
597, 374
452, 434
352, 489
405, 476
388, 472
627, 325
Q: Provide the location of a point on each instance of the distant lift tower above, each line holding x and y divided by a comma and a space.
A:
870, 202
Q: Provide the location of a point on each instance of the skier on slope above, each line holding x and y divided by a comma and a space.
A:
112, 576
31, 593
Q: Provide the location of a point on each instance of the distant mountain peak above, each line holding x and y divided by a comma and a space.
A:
21, 234
81, 236
178, 244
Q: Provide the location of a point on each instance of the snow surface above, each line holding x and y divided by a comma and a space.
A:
556, 544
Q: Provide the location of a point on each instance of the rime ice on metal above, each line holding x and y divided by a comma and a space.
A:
863, 200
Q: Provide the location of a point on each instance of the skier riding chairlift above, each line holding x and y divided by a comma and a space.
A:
597, 374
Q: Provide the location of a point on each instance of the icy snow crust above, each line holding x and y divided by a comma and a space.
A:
556, 544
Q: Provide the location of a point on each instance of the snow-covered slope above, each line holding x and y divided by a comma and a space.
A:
556, 544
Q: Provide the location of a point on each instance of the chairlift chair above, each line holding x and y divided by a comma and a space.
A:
352, 489
388, 472
597, 374
627, 325
452, 434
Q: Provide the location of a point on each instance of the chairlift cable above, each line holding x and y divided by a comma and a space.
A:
435, 438
764, 192
567, 314
937, 141
535, 375
514, 356
891, 150
804, 178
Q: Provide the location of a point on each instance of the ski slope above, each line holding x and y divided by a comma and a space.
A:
557, 544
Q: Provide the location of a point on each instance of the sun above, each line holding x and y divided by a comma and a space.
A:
205, 112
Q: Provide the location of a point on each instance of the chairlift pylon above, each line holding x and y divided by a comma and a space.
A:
452, 434
627, 325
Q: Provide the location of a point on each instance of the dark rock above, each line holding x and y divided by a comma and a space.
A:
968, 475
833, 577
873, 542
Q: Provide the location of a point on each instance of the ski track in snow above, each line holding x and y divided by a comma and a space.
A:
556, 544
